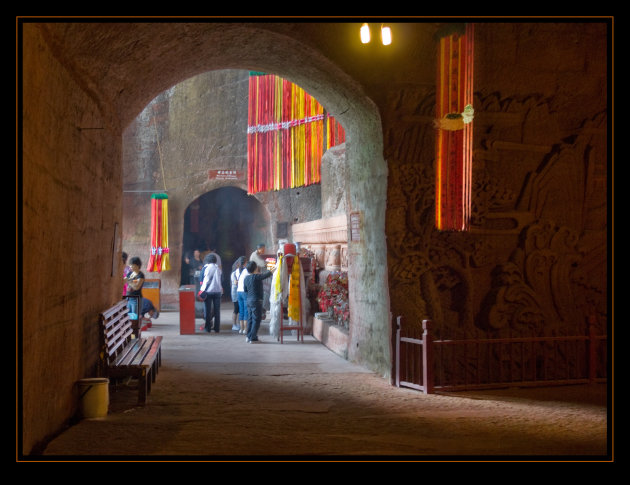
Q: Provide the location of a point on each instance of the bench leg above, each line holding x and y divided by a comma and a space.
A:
142, 388
150, 380
156, 365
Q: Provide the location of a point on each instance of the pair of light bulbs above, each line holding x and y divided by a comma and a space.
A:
386, 34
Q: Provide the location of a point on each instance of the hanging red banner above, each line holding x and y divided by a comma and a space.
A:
454, 97
287, 134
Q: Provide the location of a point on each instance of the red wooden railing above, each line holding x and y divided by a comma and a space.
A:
427, 365
413, 358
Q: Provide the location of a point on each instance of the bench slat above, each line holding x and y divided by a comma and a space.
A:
156, 349
135, 355
142, 357
120, 341
117, 309
127, 353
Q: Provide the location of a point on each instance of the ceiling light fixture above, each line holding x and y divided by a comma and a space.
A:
365, 34
386, 35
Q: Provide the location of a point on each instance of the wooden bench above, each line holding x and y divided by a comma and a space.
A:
124, 354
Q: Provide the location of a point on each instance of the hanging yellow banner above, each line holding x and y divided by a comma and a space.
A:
295, 299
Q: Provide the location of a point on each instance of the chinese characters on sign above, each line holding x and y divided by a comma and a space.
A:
225, 174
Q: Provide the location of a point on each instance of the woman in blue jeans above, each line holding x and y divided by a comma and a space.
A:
212, 286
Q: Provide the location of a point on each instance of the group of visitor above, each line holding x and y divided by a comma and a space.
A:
246, 283
246, 293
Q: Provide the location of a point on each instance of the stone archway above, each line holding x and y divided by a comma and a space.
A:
190, 141
267, 48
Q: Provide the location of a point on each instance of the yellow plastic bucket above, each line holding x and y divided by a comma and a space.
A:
94, 397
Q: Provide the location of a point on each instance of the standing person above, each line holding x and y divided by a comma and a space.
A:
254, 290
194, 265
214, 251
257, 256
126, 272
237, 269
212, 286
242, 300
135, 282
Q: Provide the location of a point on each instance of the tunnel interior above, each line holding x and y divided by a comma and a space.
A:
227, 220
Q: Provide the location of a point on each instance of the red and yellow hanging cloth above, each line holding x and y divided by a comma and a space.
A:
159, 259
287, 133
294, 309
454, 136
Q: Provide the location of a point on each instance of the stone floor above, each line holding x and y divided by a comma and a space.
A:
218, 398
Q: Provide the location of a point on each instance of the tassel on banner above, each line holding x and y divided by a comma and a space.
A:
159, 259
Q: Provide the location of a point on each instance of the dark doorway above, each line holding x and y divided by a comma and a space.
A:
227, 220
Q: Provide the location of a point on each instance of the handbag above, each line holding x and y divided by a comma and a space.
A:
202, 295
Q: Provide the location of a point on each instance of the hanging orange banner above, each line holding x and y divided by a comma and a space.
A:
159, 259
454, 136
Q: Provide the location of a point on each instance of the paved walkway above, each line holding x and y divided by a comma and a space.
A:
220, 398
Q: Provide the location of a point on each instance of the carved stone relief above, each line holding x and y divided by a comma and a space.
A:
515, 269
534, 292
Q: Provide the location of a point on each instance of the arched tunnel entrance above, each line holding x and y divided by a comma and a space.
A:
226, 220
198, 127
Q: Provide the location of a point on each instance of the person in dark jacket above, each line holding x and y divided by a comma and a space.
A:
253, 286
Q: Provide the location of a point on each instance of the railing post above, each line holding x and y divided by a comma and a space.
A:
427, 357
592, 349
398, 318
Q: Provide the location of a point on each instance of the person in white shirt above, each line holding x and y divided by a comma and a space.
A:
242, 301
211, 284
237, 269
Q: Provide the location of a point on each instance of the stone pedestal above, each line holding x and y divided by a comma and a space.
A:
328, 240
332, 336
